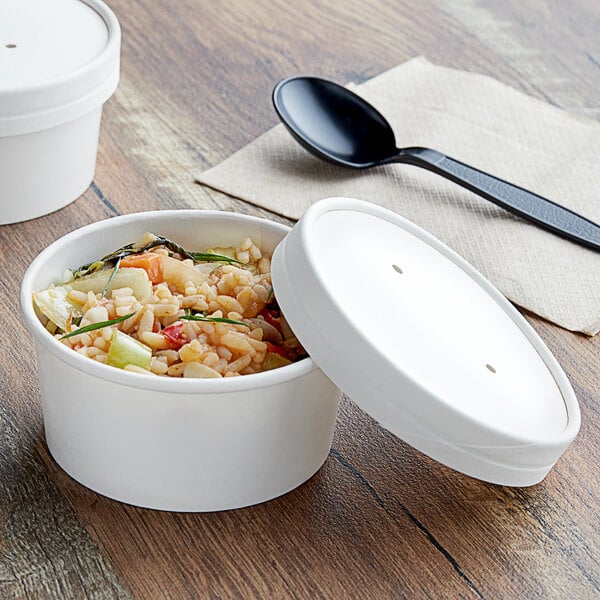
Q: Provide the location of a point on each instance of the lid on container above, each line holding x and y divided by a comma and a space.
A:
59, 60
423, 342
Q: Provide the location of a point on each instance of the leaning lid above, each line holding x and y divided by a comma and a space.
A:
423, 342
59, 60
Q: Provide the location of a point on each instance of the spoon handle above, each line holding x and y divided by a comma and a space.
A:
513, 198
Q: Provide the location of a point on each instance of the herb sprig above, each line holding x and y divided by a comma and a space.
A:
202, 317
94, 326
112, 276
130, 249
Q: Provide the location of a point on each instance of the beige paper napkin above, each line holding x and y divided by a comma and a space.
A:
481, 122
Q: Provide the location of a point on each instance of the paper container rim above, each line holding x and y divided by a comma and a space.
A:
141, 381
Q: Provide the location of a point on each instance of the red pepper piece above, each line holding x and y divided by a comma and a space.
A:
272, 319
277, 349
174, 335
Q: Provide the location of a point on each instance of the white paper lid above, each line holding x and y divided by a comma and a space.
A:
60, 60
423, 342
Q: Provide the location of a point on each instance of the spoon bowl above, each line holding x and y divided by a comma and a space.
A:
333, 124
337, 125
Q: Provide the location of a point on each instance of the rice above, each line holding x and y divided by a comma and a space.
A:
240, 292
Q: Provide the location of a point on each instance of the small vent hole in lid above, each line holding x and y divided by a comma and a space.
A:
490, 368
397, 269
10, 46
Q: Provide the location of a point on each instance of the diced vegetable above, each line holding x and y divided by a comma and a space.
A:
174, 335
286, 330
207, 268
229, 252
149, 261
55, 306
177, 273
272, 318
134, 278
124, 350
274, 361
270, 332
274, 349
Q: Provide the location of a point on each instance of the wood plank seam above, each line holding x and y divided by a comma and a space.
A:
428, 535
100, 195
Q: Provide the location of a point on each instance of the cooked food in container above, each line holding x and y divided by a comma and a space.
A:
154, 307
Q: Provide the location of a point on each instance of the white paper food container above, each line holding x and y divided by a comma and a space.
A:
60, 63
181, 445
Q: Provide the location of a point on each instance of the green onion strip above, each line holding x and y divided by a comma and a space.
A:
94, 326
190, 317
112, 275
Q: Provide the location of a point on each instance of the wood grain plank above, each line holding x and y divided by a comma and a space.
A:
380, 520
44, 551
549, 53
187, 99
530, 543
289, 547
552, 54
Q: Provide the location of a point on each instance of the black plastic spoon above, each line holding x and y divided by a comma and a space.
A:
335, 124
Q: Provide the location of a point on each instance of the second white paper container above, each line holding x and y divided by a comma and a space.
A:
60, 63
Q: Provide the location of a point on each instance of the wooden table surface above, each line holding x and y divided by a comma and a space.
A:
379, 520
